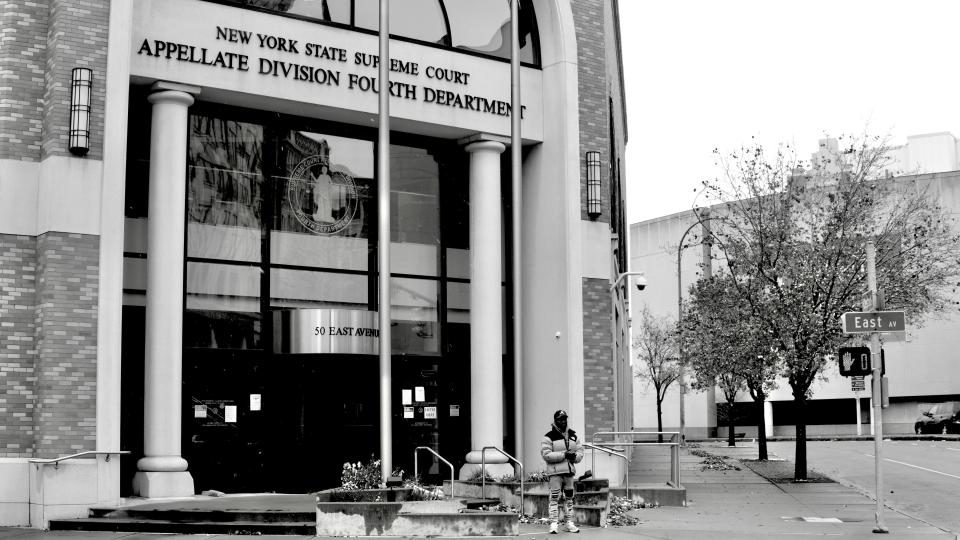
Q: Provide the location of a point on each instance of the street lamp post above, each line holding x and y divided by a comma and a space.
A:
613, 346
682, 371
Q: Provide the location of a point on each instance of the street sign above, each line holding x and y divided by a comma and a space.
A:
857, 384
854, 361
865, 322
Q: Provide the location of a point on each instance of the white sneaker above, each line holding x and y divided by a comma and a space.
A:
572, 528
553, 527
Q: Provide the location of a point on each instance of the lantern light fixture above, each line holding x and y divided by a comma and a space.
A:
593, 184
81, 85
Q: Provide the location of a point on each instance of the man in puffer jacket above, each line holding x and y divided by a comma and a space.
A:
561, 449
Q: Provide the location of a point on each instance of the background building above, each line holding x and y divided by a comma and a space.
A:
920, 366
188, 240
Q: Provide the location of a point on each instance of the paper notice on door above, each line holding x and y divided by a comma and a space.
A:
429, 412
454, 410
199, 411
230, 413
254, 402
408, 412
419, 394
406, 397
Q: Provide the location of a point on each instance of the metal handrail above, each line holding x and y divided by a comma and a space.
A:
593, 460
674, 445
56, 461
416, 474
483, 473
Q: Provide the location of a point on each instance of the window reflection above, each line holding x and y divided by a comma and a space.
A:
485, 27
414, 313
222, 306
224, 193
466, 24
419, 19
415, 211
323, 201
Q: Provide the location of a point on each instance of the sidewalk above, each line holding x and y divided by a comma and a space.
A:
723, 504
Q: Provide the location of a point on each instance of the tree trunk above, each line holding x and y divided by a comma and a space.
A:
730, 426
800, 471
761, 430
659, 420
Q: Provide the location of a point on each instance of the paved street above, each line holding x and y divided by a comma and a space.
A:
921, 478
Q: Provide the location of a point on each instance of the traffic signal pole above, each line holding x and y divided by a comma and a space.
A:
875, 364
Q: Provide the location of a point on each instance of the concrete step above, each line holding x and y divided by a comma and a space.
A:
588, 514
181, 527
212, 516
591, 484
659, 494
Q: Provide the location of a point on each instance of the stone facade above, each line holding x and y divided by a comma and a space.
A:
597, 369
48, 344
18, 349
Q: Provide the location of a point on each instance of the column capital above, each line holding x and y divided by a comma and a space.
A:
475, 142
162, 86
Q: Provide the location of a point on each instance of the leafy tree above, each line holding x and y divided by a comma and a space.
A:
656, 348
793, 237
727, 347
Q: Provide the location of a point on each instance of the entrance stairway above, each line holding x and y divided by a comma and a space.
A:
255, 514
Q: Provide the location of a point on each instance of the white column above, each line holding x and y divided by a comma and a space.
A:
486, 304
162, 472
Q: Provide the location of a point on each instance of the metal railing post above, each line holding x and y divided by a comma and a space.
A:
612, 453
416, 473
483, 473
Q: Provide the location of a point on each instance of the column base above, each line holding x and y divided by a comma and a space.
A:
154, 485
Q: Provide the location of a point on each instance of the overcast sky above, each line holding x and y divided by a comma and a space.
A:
710, 74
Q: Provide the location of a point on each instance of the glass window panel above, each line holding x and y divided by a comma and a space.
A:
414, 313
458, 302
414, 211
325, 10
485, 27
224, 189
222, 306
324, 202
309, 289
418, 19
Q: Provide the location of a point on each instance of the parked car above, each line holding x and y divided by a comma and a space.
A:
941, 418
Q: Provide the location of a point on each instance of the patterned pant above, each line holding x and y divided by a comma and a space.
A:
561, 484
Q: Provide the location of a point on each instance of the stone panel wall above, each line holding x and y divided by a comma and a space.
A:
597, 366
66, 323
18, 350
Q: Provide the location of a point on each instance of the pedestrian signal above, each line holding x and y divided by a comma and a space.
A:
854, 361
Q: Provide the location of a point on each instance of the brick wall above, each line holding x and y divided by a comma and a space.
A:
18, 272
23, 45
597, 368
594, 102
66, 322
77, 37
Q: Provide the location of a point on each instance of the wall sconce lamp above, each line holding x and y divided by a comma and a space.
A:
81, 82
593, 185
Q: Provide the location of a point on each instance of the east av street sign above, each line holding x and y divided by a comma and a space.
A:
864, 322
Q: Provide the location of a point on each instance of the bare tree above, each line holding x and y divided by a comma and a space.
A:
656, 348
794, 236
728, 348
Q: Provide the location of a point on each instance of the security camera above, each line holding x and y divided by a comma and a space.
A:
641, 282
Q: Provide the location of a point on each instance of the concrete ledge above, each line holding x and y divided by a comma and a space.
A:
659, 494
389, 519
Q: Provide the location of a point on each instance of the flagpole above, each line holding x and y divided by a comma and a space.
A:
515, 169
383, 236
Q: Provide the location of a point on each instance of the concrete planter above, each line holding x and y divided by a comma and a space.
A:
410, 518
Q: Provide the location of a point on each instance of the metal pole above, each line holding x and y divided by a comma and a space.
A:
383, 232
875, 365
681, 377
516, 112
859, 427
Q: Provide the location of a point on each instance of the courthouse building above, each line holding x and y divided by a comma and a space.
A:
189, 241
